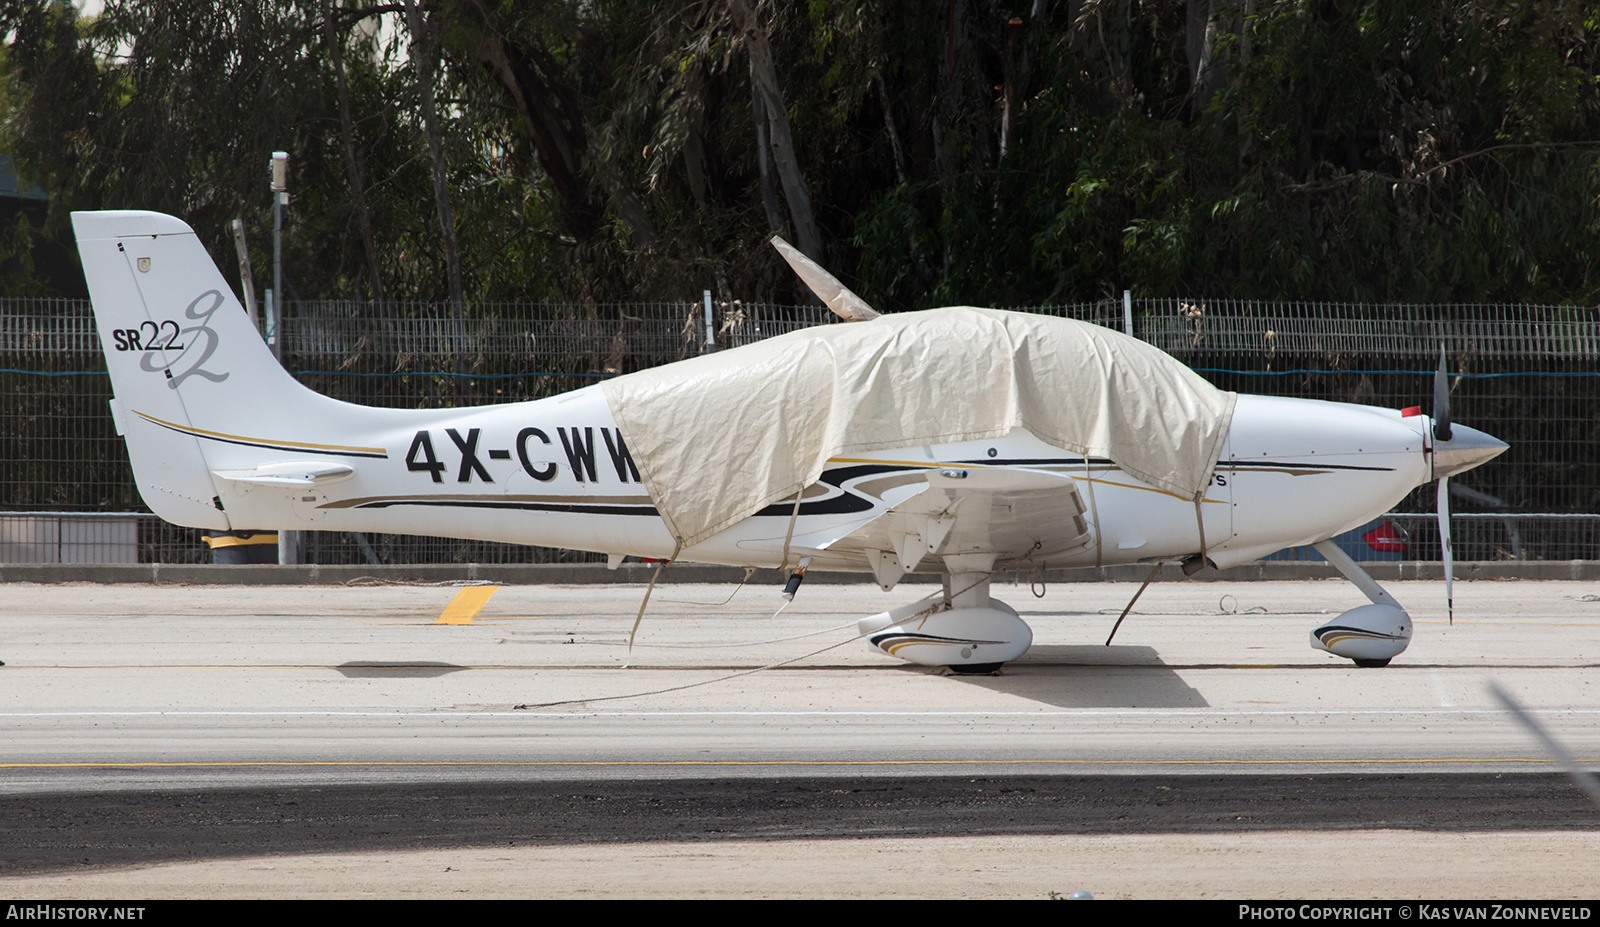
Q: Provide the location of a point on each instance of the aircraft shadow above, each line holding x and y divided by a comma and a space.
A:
386, 669
1092, 676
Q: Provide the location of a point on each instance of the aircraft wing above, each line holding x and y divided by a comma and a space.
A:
1012, 513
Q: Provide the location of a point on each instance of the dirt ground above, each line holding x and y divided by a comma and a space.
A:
1351, 865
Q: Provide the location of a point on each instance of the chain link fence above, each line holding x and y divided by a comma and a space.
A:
1526, 374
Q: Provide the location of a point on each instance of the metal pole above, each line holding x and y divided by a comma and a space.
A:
288, 541
270, 316
280, 205
711, 331
1127, 313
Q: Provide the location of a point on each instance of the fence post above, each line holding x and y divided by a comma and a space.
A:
711, 331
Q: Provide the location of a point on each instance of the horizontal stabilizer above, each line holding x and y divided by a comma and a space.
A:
292, 473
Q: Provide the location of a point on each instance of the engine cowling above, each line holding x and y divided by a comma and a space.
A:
975, 639
1371, 635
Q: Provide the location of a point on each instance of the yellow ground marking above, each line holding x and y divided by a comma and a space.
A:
412, 619
467, 603
464, 608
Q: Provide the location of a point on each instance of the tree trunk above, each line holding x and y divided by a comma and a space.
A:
769, 193
549, 110
1207, 74
422, 55
358, 184
795, 192
946, 113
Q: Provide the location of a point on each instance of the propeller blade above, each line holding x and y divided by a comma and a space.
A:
1441, 402
845, 304
1447, 555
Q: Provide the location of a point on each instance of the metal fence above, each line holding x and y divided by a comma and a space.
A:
1526, 374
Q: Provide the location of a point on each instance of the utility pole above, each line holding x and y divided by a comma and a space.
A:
280, 207
288, 541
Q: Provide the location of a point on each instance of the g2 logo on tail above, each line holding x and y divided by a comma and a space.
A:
196, 343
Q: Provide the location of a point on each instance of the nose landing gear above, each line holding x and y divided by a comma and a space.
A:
1370, 635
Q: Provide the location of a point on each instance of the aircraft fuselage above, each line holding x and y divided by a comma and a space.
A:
556, 472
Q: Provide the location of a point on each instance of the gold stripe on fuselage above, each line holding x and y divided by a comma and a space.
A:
223, 436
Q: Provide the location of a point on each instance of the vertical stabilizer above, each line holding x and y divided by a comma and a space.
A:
185, 362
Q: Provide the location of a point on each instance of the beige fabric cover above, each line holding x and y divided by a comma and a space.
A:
719, 437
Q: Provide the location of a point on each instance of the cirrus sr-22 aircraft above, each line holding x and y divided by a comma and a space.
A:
960, 440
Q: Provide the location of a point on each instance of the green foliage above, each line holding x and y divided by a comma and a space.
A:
1340, 149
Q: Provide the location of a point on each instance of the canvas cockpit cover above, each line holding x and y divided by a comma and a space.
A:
719, 437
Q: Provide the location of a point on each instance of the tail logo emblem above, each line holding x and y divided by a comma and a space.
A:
144, 265
196, 349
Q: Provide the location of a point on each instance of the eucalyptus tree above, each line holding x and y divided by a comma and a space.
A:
176, 105
1368, 150
962, 151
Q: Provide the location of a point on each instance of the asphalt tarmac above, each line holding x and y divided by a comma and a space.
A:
177, 727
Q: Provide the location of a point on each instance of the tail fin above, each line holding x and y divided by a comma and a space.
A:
185, 361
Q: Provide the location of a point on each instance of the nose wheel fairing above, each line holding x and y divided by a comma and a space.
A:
1370, 635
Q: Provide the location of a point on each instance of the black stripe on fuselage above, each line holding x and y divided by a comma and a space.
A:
845, 502
1103, 462
1031, 462
1294, 464
581, 508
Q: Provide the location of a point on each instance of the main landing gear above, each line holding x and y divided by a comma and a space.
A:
959, 626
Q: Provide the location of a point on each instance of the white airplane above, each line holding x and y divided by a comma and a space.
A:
963, 441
